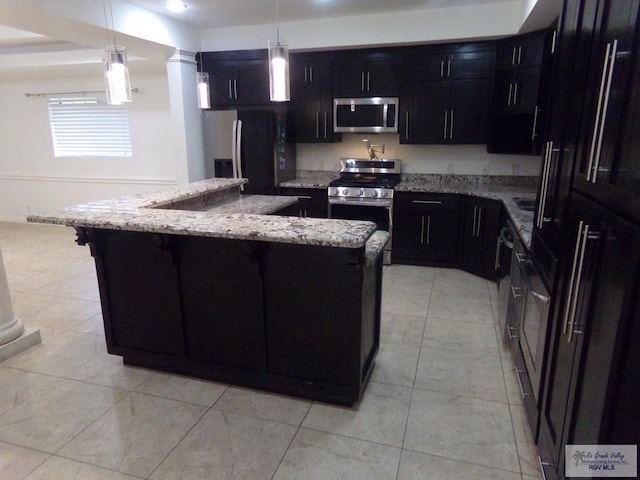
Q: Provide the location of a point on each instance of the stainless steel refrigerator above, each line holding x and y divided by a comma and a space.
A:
249, 144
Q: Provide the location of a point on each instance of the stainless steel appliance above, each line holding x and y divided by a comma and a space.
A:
527, 322
364, 191
249, 144
504, 252
365, 115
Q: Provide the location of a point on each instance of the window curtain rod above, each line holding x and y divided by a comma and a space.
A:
82, 92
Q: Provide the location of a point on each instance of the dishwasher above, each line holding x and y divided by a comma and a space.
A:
504, 249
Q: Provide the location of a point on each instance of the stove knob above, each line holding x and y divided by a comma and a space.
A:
384, 193
345, 191
374, 193
361, 192
335, 192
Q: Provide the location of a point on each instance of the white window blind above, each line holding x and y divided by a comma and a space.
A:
89, 127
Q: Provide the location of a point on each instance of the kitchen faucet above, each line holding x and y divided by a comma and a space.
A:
372, 149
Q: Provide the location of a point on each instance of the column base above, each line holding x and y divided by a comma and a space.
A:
29, 338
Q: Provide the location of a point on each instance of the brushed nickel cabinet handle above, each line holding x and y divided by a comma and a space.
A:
524, 394
422, 231
594, 136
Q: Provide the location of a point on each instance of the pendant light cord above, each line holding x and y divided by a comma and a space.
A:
106, 21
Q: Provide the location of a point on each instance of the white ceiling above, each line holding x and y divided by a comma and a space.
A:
214, 14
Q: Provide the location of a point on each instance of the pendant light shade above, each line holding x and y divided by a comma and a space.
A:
116, 75
279, 72
202, 79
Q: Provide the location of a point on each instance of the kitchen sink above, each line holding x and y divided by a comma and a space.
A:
525, 204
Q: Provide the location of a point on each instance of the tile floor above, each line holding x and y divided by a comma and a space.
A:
443, 402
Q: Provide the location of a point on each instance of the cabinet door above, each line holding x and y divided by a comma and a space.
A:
470, 65
426, 120
312, 202
480, 220
606, 166
591, 320
521, 51
364, 75
223, 321
425, 229
469, 113
252, 82
141, 304
222, 81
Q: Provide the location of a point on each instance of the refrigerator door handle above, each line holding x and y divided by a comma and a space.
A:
234, 135
238, 152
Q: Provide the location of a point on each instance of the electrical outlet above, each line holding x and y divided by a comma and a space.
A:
515, 169
450, 168
485, 169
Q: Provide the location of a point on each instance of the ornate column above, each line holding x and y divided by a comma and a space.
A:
13, 337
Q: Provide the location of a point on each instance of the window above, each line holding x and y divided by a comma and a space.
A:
89, 127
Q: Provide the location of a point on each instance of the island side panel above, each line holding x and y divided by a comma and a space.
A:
138, 282
314, 313
222, 301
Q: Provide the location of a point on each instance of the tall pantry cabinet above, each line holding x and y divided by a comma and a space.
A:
590, 394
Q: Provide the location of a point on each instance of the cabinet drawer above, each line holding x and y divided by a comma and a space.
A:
422, 201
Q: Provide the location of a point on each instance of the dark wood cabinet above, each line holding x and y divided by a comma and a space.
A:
445, 112
307, 336
237, 78
607, 165
132, 321
312, 202
426, 229
368, 73
480, 226
588, 398
222, 320
449, 62
519, 93
294, 319
445, 94
310, 111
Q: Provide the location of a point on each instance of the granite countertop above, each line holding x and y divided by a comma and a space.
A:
496, 188
311, 179
164, 212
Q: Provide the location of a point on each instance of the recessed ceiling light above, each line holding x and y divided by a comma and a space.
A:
176, 5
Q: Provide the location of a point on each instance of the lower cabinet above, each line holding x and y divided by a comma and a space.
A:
426, 228
146, 298
312, 202
480, 220
302, 320
591, 393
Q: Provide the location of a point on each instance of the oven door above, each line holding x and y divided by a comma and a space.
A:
378, 211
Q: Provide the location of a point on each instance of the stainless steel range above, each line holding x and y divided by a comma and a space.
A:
364, 191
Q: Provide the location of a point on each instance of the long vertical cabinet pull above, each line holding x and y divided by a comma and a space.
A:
230, 89
428, 229
446, 121
475, 220
406, 125
544, 185
535, 123
479, 223
451, 127
569, 318
510, 93
422, 230
603, 100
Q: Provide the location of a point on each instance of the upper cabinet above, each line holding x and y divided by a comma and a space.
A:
237, 78
445, 94
368, 73
519, 93
607, 165
310, 111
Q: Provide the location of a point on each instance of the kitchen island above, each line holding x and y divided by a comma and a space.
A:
188, 285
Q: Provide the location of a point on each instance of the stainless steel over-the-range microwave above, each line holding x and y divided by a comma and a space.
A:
365, 115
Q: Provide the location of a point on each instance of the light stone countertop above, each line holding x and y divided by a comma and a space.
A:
160, 212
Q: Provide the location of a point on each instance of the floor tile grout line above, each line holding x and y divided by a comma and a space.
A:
293, 437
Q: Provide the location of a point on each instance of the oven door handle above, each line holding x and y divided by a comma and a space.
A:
361, 202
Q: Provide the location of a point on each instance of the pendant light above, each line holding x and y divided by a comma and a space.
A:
116, 71
202, 80
278, 66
